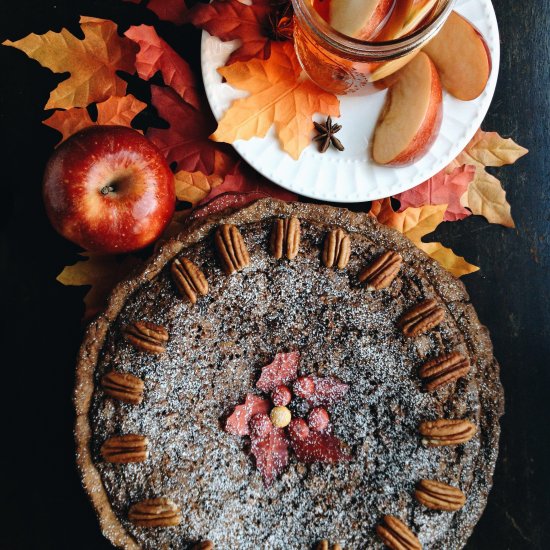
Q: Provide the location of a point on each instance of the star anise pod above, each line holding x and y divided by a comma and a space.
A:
326, 135
280, 23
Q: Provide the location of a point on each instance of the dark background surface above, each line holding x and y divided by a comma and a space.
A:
42, 503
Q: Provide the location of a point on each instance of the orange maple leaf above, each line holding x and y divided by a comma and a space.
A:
101, 273
416, 223
193, 187
118, 111
92, 62
279, 96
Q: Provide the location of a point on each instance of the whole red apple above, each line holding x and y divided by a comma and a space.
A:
109, 189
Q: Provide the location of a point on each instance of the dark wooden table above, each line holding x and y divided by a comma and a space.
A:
42, 503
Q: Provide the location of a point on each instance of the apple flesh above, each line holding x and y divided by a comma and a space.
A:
359, 18
418, 13
411, 117
109, 190
461, 57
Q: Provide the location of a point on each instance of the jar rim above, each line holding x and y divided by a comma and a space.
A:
354, 47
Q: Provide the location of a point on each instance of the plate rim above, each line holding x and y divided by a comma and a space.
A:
212, 83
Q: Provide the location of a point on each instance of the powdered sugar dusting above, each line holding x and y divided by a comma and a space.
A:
213, 359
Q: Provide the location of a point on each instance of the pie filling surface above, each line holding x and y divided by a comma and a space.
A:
215, 351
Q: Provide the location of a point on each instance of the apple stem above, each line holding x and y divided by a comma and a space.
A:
107, 189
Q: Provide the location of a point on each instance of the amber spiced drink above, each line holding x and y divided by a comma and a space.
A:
350, 45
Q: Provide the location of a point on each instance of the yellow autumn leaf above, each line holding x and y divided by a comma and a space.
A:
193, 187
279, 96
416, 223
485, 197
118, 111
456, 265
490, 149
102, 273
92, 62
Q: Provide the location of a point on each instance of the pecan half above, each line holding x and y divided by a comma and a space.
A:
155, 512
124, 387
324, 545
439, 496
123, 449
444, 369
381, 272
189, 279
231, 248
147, 336
437, 433
421, 318
285, 238
336, 249
396, 535
204, 545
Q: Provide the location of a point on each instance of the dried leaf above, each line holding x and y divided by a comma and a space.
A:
237, 423
485, 197
244, 179
327, 392
156, 55
92, 62
443, 188
318, 447
230, 20
278, 96
186, 142
174, 11
114, 111
283, 369
193, 187
416, 223
271, 454
100, 272
490, 149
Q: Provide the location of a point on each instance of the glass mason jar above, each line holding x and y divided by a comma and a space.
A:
342, 65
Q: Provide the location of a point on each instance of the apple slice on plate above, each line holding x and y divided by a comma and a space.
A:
461, 57
411, 117
359, 18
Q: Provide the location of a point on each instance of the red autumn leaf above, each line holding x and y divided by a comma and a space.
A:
318, 447
283, 369
186, 142
156, 55
174, 11
271, 453
442, 188
327, 391
230, 20
237, 423
244, 179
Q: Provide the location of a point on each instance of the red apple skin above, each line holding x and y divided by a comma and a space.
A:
109, 190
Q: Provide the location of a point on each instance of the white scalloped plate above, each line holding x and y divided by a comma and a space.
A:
351, 176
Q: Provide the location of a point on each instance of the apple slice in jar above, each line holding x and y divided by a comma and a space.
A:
461, 57
359, 18
416, 16
411, 117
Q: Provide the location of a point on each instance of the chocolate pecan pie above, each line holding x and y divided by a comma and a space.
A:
184, 341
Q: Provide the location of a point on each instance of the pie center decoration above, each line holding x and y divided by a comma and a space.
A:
291, 412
